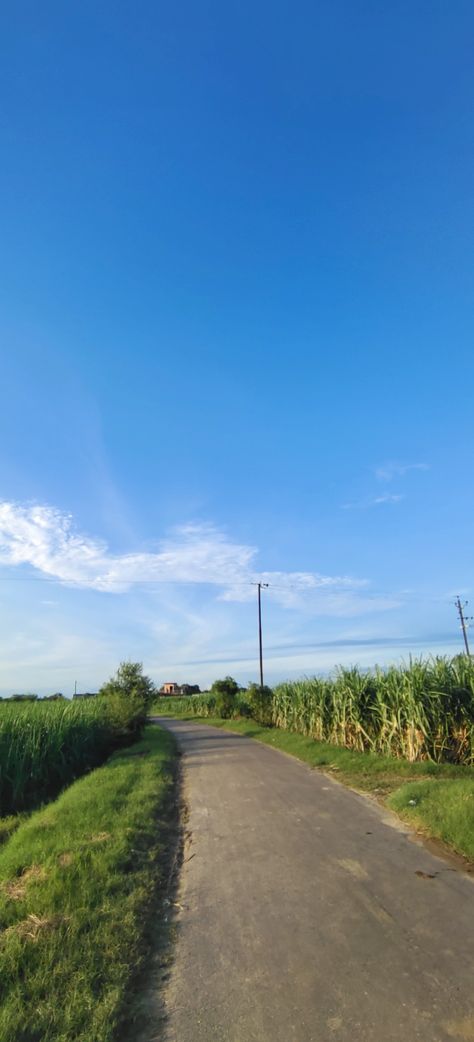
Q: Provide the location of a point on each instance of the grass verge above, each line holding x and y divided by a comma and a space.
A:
442, 808
77, 882
437, 798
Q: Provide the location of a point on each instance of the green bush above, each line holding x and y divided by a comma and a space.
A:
130, 683
242, 705
224, 706
225, 692
260, 701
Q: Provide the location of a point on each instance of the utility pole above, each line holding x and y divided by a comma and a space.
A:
75, 688
260, 646
464, 622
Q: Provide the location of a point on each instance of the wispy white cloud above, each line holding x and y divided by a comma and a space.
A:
46, 539
292, 589
388, 471
374, 501
388, 498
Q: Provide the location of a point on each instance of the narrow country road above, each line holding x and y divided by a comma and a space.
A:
307, 915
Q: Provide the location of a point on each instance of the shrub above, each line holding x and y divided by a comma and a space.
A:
139, 690
242, 704
225, 692
225, 705
260, 701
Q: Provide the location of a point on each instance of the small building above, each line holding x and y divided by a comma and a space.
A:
171, 688
85, 694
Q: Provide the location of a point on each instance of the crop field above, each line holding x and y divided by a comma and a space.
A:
421, 711
45, 746
424, 710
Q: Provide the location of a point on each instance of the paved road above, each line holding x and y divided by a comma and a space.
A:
307, 914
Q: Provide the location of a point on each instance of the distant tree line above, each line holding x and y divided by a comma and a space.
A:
30, 697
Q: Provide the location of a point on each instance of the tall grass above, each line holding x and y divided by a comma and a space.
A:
45, 746
420, 711
423, 710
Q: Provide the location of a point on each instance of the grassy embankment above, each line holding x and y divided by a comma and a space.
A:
78, 880
405, 736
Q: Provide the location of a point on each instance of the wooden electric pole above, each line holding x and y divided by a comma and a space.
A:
464, 620
260, 645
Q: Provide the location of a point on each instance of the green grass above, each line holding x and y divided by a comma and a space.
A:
444, 793
9, 825
44, 746
441, 808
78, 882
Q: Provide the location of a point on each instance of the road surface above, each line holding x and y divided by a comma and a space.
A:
307, 914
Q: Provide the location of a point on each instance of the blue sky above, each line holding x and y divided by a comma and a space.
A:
236, 325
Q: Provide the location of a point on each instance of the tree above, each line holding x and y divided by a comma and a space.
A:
130, 681
190, 689
227, 686
224, 692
